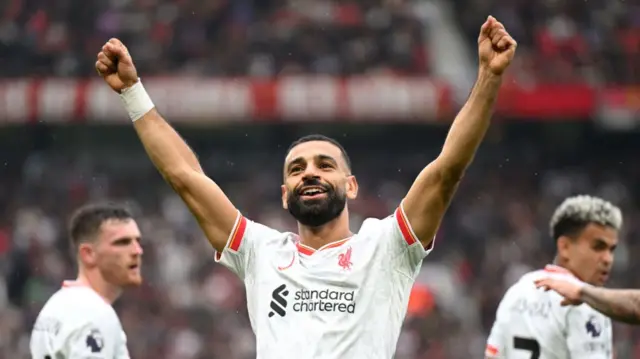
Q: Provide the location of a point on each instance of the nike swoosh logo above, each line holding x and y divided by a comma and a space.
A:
293, 258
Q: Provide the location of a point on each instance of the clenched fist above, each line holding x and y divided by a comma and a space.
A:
115, 66
496, 47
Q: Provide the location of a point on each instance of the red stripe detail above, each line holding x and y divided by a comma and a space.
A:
33, 97
304, 250
404, 227
80, 103
491, 350
236, 240
555, 269
218, 256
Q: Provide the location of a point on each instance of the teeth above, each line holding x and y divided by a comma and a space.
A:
311, 191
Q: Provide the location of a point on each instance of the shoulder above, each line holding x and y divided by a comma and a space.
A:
377, 227
82, 303
263, 235
524, 290
74, 313
247, 232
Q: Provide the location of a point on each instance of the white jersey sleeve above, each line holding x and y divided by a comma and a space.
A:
74, 324
399, 243
240, 251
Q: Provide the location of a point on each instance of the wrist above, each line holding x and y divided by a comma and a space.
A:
136, 101
487, 76
584, 291
129, 85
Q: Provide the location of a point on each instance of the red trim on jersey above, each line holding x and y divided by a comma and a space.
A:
491, 350
238, 234
552, 268
405, 227
309, 251
73, 283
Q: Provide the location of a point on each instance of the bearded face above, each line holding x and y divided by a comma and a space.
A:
314, 203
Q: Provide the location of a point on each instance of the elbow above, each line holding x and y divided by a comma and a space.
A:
451, 172
452, 168
178, 178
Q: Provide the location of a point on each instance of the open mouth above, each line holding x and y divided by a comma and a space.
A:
134, 266
312, 192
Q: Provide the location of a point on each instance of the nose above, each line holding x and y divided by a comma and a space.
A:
137, 248
311, 171
608, 258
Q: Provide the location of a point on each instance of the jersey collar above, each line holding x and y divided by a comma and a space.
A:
552, 268
306, 250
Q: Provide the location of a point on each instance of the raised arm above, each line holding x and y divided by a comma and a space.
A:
618, 304
432, 191
167, 150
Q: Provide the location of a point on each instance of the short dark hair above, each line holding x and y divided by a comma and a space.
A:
86, 221
323, 138
577, 212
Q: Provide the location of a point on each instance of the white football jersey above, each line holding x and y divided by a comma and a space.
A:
77, 323
531, 324
346, 300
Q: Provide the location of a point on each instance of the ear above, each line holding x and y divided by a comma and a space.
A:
87, 254
563, 245
352, 187
284, 197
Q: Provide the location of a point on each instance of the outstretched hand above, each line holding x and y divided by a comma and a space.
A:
115, 65
496, 47
569, 290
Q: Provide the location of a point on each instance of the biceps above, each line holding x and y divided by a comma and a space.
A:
212, 209
428, 199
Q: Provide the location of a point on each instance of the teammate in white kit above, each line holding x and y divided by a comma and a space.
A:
326, 292
78, 321
533, 323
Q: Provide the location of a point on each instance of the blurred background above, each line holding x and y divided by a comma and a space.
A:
242, 79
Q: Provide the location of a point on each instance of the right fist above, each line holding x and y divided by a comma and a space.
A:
115, 66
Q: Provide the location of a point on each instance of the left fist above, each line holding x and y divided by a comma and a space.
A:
496, 47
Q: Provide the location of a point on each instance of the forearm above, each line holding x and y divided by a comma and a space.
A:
166, 149
618, 304
471, 124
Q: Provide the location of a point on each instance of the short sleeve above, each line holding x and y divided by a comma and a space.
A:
239, 253
589, 334
99, 338
497, 343
402, 244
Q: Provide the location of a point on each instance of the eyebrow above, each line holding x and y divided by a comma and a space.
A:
295, 161
125, 239
299, 160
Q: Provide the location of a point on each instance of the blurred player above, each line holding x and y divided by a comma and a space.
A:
532, 324
326, 292
618, 304
78, 322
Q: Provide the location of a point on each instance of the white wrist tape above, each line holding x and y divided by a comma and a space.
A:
136, 101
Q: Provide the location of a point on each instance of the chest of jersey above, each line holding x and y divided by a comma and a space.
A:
329, 283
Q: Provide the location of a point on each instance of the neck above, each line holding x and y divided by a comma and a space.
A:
560, 263
335, 230
95, 281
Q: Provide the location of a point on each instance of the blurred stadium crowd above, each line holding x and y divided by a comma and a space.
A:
561, 40
191, 308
